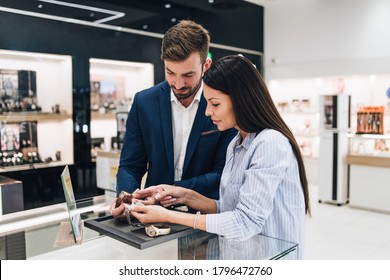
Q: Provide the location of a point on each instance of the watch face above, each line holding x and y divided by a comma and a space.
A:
151, 231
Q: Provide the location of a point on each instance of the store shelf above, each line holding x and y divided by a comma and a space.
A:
303, 112
377, 161
310, 157
305, 134
33, 166
115, 83
33, 116
103, 116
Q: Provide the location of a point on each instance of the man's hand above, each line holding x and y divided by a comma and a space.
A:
148, 195
118, 212
118, 206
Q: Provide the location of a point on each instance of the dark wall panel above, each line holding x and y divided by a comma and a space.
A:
25, 33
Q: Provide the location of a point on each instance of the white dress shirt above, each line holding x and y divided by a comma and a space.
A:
182, 121
260, 191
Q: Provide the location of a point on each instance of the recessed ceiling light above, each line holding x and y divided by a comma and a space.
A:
92, 14
211, 1
167, 6
40, 6
173, 19
145, 26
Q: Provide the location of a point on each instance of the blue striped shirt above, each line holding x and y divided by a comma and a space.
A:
260, 191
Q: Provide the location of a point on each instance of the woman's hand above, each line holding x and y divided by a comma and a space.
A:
172, 195
148, 214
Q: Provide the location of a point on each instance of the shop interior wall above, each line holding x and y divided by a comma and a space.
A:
311, 43
309, 38
25, 33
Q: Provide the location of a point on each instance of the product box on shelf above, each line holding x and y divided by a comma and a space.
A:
370, 120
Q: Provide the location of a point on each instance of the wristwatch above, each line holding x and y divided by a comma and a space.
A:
121, 197
156, 230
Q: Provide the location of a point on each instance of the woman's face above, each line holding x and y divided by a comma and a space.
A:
219, 108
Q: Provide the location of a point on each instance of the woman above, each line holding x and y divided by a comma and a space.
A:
263, 186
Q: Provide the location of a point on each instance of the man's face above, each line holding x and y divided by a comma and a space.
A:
185, 77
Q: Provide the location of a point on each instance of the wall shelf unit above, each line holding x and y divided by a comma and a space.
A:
113, 85
53, 123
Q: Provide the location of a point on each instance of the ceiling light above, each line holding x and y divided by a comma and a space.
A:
173, 19
167, 6
145, 26
211, 1
114, 14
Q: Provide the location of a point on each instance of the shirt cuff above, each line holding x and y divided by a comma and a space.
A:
212, 225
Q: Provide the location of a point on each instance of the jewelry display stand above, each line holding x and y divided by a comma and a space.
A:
65, 237
134, 235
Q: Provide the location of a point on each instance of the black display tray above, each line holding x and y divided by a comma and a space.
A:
134, 236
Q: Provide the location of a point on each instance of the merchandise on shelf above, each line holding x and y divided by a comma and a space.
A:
107, 94
18, 91
369, 145
370, 120
296, 105
19, 144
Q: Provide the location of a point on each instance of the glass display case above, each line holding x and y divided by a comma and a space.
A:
369, 162
369, 145
37, 229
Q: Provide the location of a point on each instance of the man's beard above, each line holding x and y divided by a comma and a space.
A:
192, 91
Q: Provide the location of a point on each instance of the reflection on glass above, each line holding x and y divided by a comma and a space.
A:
202, 245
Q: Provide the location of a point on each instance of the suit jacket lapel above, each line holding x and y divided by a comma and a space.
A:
196, 131
166, 124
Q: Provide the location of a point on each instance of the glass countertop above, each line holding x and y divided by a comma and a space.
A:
205, 246
31, 234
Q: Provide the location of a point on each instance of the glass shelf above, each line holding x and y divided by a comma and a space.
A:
33, 166
33, 116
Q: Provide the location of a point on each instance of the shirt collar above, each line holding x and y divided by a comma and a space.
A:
247, 141
197, 96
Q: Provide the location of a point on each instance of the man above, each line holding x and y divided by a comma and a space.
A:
167, 132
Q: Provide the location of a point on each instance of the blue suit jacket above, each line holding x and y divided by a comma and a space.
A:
148, 146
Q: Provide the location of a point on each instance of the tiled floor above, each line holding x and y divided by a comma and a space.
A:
346, 233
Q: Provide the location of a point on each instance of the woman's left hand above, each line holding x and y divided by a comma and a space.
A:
148, 214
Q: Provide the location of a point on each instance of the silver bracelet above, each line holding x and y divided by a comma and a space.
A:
128, 209
196, 218
127, 213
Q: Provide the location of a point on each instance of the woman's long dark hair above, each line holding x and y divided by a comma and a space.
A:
253, 106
